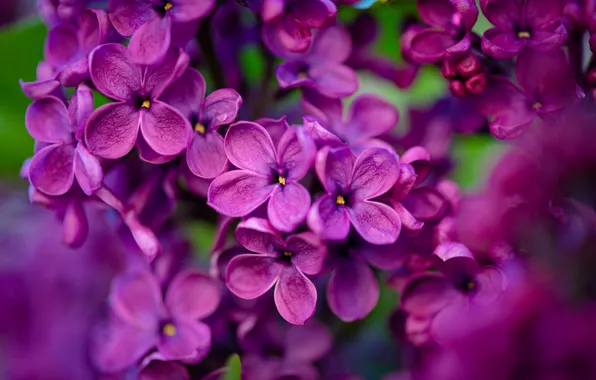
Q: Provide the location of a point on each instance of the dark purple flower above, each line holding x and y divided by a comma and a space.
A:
449, 36
142, 320
533, 23
60, 155
205, 155
266, 173
280, 262
289, 22
150, 22
350, 183
320, 68
113, 129
163, 370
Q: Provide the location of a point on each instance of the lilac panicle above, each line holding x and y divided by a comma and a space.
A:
350, 183
283, 262
266, 173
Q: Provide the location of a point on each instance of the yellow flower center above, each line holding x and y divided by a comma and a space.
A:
282, 180
200, 128
287, 254
340, 200
537, 105
471, 285
146, 104
168, 6
169, 329
523, 35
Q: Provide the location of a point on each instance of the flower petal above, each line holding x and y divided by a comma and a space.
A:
334, 169
206, 156
47, 121
313, 13
539, 13
165, 129
490, 281
87, 170
128, 15
308, 252
238, 192
295, 296
308, 343
37, 89
375, 222
75, 227
136, 299
290, 74
80, 109
386, 257
291, 34
334, 80
408, 221
353, 290
191, 295
158, 77
297, 152
426, 204
419, 158
430, 45
221, 107
370, 116
503, 14
112, 130
189, 10
190, 337
187, 93
331, 44
405, 182
258, 235
326, 110
51, 170
375, 172
501, 44
249, 146
149, 44
426, 294
328, 220
112, 72
549, 39
288, 206
62, 45
250, 276
160, 370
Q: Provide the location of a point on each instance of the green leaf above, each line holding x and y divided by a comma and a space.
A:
22, 49
474, 156
234, 368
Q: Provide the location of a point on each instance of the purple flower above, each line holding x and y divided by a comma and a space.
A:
113, 129
289, 22
150, 22
350, 183
266, 174
369, 117
205, 155
279, 261
60, 155
142, 321
533, 23
449, 36
320, 68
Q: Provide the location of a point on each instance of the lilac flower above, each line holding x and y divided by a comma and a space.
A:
163, 370
60, 155
279, 261
205, 155
150, 24
289, 22
113, 129
369, 117
533, 23
68, 46
350, 184
320, 68
266, 174
142, 321
449, 36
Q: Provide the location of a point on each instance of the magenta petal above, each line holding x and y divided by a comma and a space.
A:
449, 250
112, 130
47, 121
249, 146
547, 40
206, 157
325, 109
221, 107
136, 299
87, 170
426, 204
80, 109
112, 72
405, 182
386, 257
62, 45
370, 116
189, 10
408, 221
501, 44
292, 35
187, 93
334, 80
94, 26
328, 220
503, 14
490, 282
166, 131
332, 44
542, 12
295, 296
375, 222
128, 15
353, 290
258, 235
375, 172
158, 77
192, 295
51, 169
426, 294
275, 127
238, 192
314, 13
37, 89
308, 343
149, 44
334, 169
162, 370
290, 74
288, 206
250, 276
74, 225
419, 158
430, 45
191, 336
296, 153
308, 252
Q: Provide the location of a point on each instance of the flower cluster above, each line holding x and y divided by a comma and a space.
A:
145, 121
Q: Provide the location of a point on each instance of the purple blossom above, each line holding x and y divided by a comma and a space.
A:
449, 36
150, 24
533, 23
60, 155
288, 23
266, 173
321, 67
280, 262
113, 129
350, 183
142, 321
